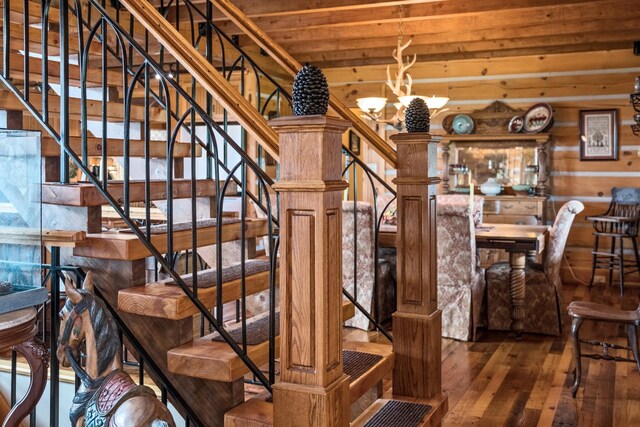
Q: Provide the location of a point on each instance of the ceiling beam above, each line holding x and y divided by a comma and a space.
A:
253, 8
606, 10
481, 49
625, 27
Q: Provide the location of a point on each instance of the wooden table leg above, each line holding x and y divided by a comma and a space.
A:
517, 291
38, 359
532, 256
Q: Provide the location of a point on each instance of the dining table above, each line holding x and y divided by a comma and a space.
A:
522, 242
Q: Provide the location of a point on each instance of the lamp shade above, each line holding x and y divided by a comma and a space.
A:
372, 104
434, 102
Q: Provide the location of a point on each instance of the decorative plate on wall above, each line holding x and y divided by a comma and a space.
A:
538, 118
515, 124
462, 124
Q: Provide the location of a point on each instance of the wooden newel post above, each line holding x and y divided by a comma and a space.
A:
313, 390
417, 321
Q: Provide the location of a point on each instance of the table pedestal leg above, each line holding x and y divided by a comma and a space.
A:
38, 359
532, 256
517, 291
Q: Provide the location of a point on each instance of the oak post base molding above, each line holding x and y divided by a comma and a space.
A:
313, 390
417, 325
417, 345
310, 406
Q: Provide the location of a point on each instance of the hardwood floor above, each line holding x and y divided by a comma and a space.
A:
498, 381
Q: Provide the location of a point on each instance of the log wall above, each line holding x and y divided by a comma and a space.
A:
569, 83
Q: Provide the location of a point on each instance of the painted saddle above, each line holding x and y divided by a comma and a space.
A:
116, 389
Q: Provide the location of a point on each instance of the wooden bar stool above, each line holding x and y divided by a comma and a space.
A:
618, 223
581, 311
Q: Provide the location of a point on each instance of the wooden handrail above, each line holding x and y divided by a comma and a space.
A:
292, 67
204, 73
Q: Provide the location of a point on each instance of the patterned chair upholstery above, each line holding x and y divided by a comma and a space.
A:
461, 281
361, 248
543, 284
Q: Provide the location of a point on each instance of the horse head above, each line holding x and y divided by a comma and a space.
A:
73, 319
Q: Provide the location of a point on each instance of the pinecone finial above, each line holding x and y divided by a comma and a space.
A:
416, 117
310, 94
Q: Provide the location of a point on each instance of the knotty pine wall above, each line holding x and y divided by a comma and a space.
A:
569, 83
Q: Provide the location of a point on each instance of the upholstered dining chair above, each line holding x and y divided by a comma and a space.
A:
359, 263
543, 284
461, 281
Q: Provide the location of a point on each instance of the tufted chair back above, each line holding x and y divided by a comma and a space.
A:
456, 238
558, 239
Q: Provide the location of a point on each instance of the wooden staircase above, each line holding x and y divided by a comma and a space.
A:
162, 313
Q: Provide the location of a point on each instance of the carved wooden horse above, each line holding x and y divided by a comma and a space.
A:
107, 396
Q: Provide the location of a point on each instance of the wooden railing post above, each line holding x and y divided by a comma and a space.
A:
313, 390
417, 321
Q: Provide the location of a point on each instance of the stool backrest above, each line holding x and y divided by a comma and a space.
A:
625, 203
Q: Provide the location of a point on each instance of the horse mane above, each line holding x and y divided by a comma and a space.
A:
105, 330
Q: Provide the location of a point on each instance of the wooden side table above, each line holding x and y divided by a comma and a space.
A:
18, 331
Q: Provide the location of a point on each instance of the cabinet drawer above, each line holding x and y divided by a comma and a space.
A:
511, 219
511, 207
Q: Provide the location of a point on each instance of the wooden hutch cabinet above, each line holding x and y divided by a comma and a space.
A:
516, 161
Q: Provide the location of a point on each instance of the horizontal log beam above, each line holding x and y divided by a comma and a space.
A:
481, 49
610, 10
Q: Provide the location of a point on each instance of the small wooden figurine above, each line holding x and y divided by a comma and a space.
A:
107, 395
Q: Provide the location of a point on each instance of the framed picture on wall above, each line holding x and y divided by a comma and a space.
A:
598, 135
354, 143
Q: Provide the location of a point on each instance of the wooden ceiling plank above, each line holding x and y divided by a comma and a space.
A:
599, 60
486, 48
507, 32
255, 9
609, 10
390, 15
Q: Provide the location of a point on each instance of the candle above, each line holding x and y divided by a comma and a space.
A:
471, 194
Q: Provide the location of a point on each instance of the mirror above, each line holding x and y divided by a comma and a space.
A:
508, 165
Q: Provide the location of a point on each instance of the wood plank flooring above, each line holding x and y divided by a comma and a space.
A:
498, 381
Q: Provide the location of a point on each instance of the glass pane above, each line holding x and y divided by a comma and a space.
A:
20, 218
507, 165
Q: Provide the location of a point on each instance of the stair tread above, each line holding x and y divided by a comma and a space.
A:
374, 372
8, 101
86, 194
215, 360
157, 149
127, 247
258, 410
439, 407
162, 299
186, 226
395, 413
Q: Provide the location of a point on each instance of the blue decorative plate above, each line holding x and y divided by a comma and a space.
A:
462, 124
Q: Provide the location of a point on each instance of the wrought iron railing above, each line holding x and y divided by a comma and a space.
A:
48, 333
107, 56
107, 50
202, 32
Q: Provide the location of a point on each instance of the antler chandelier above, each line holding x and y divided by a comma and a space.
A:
373, 107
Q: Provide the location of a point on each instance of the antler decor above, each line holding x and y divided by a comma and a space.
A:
373, 107
401, 74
